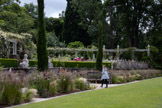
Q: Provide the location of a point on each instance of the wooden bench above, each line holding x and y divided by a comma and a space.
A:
96, 76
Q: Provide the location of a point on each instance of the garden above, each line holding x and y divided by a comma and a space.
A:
21, 87
17, 88
67, 58
144, 94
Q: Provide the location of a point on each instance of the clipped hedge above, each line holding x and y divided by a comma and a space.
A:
33, 63
71, 64
9, 62
68, 64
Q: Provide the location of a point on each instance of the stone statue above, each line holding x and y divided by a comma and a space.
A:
25, 62
50, 65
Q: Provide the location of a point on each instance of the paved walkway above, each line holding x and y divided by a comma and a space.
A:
35, 100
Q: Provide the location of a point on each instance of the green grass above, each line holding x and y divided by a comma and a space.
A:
144, 94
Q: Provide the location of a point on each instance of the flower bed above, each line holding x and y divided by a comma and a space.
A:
123, 76
16, 88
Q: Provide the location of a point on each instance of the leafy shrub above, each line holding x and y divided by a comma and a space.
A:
120, 79
0, 93
42, 85
122, 76
114, 78
44, 82
28, 94
129, 54
81, 84
11, 93
33, 63
10, 88
53, 88
76, 44
1, 67
138, 77
65, 84
9, 62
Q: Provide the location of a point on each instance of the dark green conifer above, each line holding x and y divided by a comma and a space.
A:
100, 47
41, 39
73, 31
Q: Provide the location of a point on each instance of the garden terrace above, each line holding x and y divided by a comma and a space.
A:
144, 94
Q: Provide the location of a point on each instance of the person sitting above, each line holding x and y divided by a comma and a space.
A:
82, 58
77, 59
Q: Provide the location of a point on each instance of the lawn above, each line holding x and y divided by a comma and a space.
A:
144, 94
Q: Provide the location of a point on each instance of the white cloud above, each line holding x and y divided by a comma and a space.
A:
52, 7
55, 15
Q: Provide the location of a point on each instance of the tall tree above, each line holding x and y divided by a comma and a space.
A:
72, 29
15, 18
128, 20
100, 47
41, 40
89, 12
93, 16
55, 25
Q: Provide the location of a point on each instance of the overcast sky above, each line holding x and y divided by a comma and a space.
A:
52, 7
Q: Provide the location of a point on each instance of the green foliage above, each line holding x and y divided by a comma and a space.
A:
77, 64
1, 67
153, 58
156, 40
71, 64
1, 88
11, 92
53, 88
65, 84
100, 48
45, 83
32, 10
81, 85
89, 11
42, 85
72, 30
121, 76
27, 96
128, 55
53, 40
76, 44
33, 63
55, 25
154, 52
41, 40
142, 94
9, 62
15, 19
